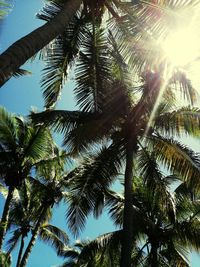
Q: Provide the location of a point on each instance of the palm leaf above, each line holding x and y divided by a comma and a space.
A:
48, 229
115, 204
13, 240
21, 72
178, 159
37, 143
8, 134
79, 128
182, 121
104, 245
185, 86
189, 233
5, 7
93, 70
59, 57
88, 185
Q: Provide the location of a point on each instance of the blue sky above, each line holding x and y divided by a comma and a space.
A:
19, 95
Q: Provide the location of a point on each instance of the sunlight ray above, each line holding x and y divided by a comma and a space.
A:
165, 77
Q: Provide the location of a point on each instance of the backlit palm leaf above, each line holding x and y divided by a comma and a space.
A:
89, 184
53, 236
178, 159
182, 121
183, 84
59, 56
37, 142
8, 133
93, 70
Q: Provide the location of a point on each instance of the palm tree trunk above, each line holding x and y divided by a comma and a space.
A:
127, 236
33, 239
20, 251
5, 215
23, 49
154, 254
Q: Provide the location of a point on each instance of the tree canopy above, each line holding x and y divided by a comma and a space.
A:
128, 129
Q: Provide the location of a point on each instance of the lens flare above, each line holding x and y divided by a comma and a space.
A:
181, 47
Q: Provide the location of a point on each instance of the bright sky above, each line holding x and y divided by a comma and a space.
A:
19, 95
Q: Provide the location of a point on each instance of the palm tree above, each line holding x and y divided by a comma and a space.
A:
107, 106
66, 20
24, 219
68, 51
167, 229
49, 187
21, 146
168, 220
58, 15
124, 123
36, 40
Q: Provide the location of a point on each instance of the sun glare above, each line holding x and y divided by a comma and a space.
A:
181, 47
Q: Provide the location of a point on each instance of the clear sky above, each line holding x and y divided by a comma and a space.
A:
19, 95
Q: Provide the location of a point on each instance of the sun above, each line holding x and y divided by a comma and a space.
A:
181, 47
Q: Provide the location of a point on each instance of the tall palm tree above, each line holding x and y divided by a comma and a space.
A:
125, 15
112, 112
168, 220
24, 220
167, 229
36, 40
123, 123
62, 12
50, 188
21, 146
68, 51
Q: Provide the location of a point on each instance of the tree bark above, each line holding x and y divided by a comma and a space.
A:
23, 49
5, 216
33, 239
127, 236
20, 252
154, 254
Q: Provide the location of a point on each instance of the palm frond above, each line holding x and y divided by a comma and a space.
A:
189, 233
182, 121
13, 240
50, 10
3, 191
53, 236
148, 167
37, 143
21, 72
181, 82
178, 159
70, 253
53, 167
59, 57
62, 120
115, 204
80, 129
89, 184
158, 186
93, 70
8, 134
5, 7
104, 245
57, 232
